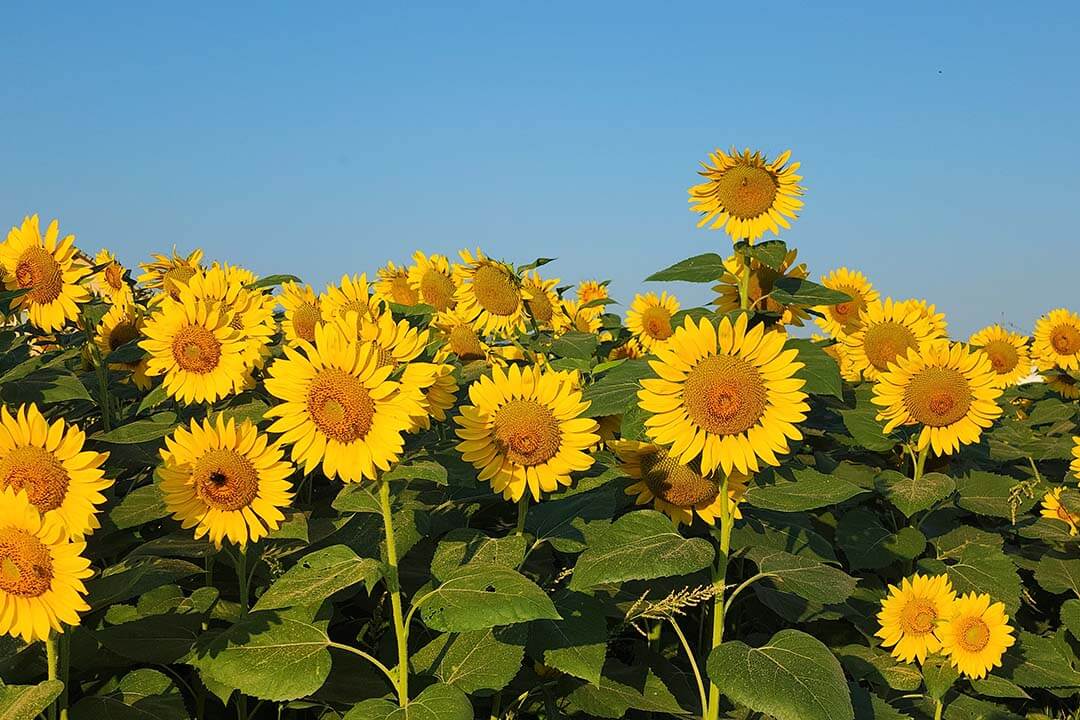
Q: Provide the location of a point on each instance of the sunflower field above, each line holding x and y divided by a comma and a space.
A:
456, 489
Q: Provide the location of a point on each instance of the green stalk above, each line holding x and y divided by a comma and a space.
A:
744, 282
523, 511
64, 651
51, 664
938, 708
727, 520
242, 581
394, 586
920, 463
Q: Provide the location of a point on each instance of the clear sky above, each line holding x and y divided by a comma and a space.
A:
939, 140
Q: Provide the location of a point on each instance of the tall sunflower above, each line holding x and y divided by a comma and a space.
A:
393, 285
225, 479
1052, 509
976, 634
433, 280
110, 281
524, 430
843, 318
41, 572
1057, 340
746, 194
1062, 383
251, 312
543, 302
649, 319
1008, 353
947, 388
675, 489
47, 267
725, 394
165, 271
911, 613
887, 331
119, 326
302, 312
351, 294
339, 407
459, 338
490, 295
197, 350
762, 280
47, 462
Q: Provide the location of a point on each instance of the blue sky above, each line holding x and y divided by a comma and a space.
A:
937, 139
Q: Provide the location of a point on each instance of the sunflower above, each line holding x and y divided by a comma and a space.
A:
1054, 510
675, 489
119, 326
762, 280
351, 294
524, 430
580, 319
543, 302
1063, 383
1008, 353
746, 194
41, 572
649, 319
197, 350
48, 462
459, 338
725, 394
225, 480
976, 634
590, 291
929, 313
165, 271
948, 388
887, 331
910, 615
439, 386
843, 318
393, 286
1057, 340
48, 267
433, 280
629, 350
490, 295
339, 407
110, 281
251, 312
302, 312
1074, 467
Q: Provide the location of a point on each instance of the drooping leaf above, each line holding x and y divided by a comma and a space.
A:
910, 496
707, 267
576, 644
800, 291
26, 702
869, 544
481, 660
436, 702
466, 545
800, 576
622, 688
142, 694
809, 490
821, 373
481, 595
317, 576
131, 578
158, 426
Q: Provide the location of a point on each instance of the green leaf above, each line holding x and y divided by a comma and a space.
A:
800, 291
939, 675
426, 470
482, 595
139, 431
131, 578
1011, 440
271, 281
317, 576
1070, 616
987, 493
980, 570
482, 660
622, 688
869, 544
810, 490
152, 399
641, 545
466, 545
994, 686
577, 644
436, 702
1057, 574
707, 267
871, 707
576, 345
803, 577
161, 639
562, 520
26, 702
821, 373
140, 506
964, 707
616, 390
909, 496
793, 677
1046, 663
862, 423
142, 694
879, 668
1050, 410
770, 253
44, 387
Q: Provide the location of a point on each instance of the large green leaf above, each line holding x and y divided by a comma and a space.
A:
987, 493
139, 506
317, 576
622, 688
142, 694
617, 389
871, 707
157, 426
466, 545
770, 253
562, 520
577, 644
161, 639
26, 702
436, 702
1058, 574
481, 660
575, 345
800, 291
910, 496
809, 490
481, 595
1046, 663
821, 373
792, 677
869, 544
707, 267
980, 569
801, 576
131, 578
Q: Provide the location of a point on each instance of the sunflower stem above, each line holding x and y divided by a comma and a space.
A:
939, 707
52, 665
242, 580
64, 652
920, 463
523, 511
712, 709
394, 586
744, 280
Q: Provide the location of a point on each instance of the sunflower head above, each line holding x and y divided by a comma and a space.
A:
1054, 510
843, 318
490, 295
543, 302
351, 294
976, 634
1008, 353
579, 318
590, 290
746, 193
166, 272
887, 331
432, 279
459, 338
650, 319
1063, 383
760, 287
393, 285
302, 312
1057, 340
110, 281
910, 615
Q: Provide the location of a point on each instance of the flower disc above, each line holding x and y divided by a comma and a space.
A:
489, 295
1057, 340
976, 635
746, 194
649, 319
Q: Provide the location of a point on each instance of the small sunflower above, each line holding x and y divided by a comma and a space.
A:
1074, 467
762, 280
225, 480
48, 267
677, 490
1057, 340
122, 324
725, 394
110, 282
165, 271
948, 388
1063, 383
629, 350
459, 338
649, 319
393, 285
302, 312
976, 634
580, 319
543, 302
41, 572
350, 295
433, 280
197, 350
843, 318
490, 295
589, 291
911, 613
251, 312
1054, 510
746, 194
48, 463
887, 331
339, 407
929, 313
524, 430
1007, 351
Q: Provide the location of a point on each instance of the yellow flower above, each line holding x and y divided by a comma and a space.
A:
302, 312
459, 338
948, 388
490, 295
724, 394
197, 350
46, 266
543, 303
887, 331
590, 290
1063, 383
580, 319
976, 635
433, 280
1007, 351
339, 407
41, 572
1074, 467
122, 324
746, 194
350, 295
762, 280
251, 312
393, 285
649, 319
109, 282
524, 429
675, 489
843, 318
1054, 510
630, 350
929, 313
61, 480
225, 480
165, 271
910, 615
1057, 340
